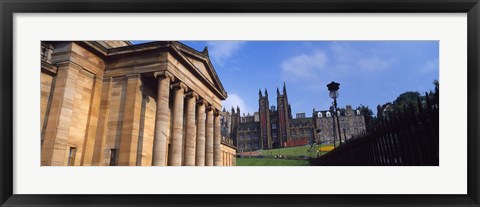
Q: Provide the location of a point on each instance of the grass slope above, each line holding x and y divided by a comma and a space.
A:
293, 151
270, 162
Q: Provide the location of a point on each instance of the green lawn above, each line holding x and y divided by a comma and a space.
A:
270, 162
293, 151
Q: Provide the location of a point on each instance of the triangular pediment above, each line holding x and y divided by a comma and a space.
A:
197, 63
202, 64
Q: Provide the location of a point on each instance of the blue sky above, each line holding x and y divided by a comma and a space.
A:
369, 72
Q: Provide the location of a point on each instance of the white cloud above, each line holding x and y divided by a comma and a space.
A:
343, 52
234, 100
333, 62
304, 66
221, 51
374, 63
429, 66
315, 67
349, 58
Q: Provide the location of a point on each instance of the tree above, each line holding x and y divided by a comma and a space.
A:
436, 92
406, 99
367, 113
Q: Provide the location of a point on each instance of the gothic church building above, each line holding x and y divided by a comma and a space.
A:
274, 127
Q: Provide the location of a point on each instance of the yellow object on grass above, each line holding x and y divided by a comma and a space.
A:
325, 148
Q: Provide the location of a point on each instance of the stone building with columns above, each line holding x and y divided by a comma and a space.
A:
109, 103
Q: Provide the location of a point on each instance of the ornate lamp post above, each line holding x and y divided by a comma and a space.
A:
333, 88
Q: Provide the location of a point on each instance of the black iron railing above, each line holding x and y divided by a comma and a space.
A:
406, 137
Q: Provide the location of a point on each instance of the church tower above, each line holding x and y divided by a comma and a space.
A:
265, 125
284, 115
235, 122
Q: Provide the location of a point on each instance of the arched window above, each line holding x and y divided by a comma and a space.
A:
319, 115
358, 112
329, 114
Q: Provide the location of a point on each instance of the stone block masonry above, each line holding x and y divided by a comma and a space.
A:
110, 103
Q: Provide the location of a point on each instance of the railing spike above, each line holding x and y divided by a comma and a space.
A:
419, 105
428, 102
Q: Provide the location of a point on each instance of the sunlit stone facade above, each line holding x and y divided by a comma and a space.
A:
108, 103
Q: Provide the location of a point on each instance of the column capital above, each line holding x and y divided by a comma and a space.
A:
216, 112
192, 94
209, 107
164, 74
201, 101
180, 85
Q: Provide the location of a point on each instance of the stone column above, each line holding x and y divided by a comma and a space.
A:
209, 138
58, 124
131, 122
200, 145
191, 129
92, 123
225, 159
228, 159
101, 134
175, 158
162, 118
217, 156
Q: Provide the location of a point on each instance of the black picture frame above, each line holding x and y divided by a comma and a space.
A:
10, 7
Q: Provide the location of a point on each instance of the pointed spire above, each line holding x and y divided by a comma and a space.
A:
260, 93
278, 92
205, 51
238, 109
223, 109
266, 93
284, 88
233, 110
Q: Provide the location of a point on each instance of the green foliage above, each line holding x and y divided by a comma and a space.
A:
411, 99
367, 113
435, 93
406, 99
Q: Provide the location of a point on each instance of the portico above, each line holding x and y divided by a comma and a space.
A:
157, 104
